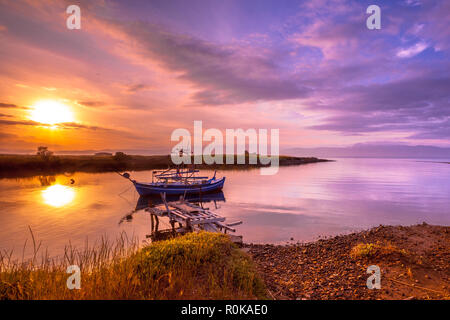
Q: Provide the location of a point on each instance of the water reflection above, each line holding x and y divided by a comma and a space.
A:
149, 201
47, 180
58, 195
300, 202
201, 199
156, 234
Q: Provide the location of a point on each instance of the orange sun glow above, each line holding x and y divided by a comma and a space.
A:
51, 112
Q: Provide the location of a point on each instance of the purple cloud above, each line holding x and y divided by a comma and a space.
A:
222, 74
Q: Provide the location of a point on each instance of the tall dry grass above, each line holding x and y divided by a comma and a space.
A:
196, 266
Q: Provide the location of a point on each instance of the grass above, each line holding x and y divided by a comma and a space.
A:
28, 165
195, 266
377, 249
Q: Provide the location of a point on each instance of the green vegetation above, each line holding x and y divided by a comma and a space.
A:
377, 249
30, 165
195, 266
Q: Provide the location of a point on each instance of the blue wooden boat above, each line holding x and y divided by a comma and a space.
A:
211, 185
177, 182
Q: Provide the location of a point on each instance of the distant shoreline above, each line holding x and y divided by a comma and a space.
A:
12, 166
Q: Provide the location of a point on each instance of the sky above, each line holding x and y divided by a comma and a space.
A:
137, 70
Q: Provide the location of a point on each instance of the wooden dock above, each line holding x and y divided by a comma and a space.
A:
188, 217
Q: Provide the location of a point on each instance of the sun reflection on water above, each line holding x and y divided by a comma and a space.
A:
58, 195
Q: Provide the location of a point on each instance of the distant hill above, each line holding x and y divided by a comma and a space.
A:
362, 150
373, 151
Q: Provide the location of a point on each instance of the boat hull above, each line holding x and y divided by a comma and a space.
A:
145, 189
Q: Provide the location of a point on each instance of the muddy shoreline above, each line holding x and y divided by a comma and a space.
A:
414, 263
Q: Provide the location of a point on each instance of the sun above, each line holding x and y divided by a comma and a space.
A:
51, 112
58, 195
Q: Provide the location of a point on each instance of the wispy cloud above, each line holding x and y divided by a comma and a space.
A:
92, 103
222, 74
62, 125
413, 3
412, 51
133, 88
11, 106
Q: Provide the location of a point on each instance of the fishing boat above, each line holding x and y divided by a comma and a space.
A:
177, 182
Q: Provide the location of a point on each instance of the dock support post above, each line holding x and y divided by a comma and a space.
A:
188, 224
157, 223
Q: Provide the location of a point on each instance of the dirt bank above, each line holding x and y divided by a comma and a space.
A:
414, 263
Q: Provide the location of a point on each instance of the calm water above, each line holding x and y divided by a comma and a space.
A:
301, 202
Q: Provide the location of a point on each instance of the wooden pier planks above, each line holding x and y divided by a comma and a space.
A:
192, 217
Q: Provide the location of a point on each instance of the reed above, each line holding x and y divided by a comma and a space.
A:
195, 266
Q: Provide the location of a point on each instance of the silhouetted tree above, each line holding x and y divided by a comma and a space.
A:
120, 156
44, 153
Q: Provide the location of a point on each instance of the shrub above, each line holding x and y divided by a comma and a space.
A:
199, 265
120, 156
377, 249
